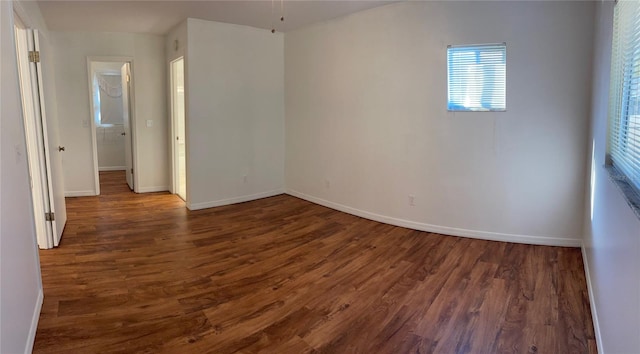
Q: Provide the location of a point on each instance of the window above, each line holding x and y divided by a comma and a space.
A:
623, 153
107, 99
477, 77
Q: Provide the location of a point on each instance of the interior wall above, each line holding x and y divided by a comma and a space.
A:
71, 52
612, 230
235, 114
176, 43
367, 125
21, 294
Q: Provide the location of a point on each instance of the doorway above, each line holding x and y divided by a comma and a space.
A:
111, 104
179, 129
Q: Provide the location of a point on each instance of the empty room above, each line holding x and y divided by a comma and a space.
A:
320, 176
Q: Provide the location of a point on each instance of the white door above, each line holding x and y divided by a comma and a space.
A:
128, 157
53, 150
178, 118
45, 164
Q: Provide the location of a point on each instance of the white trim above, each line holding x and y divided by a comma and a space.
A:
242, 199
153, 189
446, 230
89, 193
34, 323
112, 168
592, 301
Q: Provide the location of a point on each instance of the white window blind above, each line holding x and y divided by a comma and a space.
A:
624, 95
477, 77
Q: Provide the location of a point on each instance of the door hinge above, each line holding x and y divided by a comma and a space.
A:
34, 56
49, 216
132, 171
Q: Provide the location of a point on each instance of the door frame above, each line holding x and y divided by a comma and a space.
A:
173, 129
132, 118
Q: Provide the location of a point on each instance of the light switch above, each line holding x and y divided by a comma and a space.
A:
149, 123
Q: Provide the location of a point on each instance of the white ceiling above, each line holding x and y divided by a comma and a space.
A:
158, 17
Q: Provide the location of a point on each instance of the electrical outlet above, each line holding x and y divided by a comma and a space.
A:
327, 184
412, 200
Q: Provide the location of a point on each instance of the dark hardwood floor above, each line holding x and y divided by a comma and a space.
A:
138, 273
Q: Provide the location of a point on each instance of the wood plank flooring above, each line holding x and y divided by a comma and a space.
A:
138, 273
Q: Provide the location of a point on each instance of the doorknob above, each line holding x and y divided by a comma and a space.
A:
123, 134
60, 148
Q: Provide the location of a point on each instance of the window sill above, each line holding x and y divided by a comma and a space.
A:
628, 191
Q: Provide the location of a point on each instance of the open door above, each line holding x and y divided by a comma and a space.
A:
126, 79
52, 153
178, 122
45, 165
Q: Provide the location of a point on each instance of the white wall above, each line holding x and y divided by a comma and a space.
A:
20, 284
175, 50
71, 51
367, 126
235, 114
612, 230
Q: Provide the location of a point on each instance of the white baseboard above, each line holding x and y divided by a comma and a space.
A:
90, 193
153, 189
112, 168
485, 235
592, 301
244, 198
34, 323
